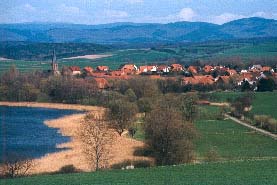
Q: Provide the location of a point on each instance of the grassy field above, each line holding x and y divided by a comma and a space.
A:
264, 103
230, 140
230, 173
138, 57
254, 50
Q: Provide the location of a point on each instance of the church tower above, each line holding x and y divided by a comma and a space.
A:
55, 67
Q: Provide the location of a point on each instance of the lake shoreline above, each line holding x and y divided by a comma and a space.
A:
52, 106
68, 126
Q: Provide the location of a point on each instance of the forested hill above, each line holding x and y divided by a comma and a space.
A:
128, 33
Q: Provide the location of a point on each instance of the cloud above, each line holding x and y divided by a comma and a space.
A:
115, 14
134, 1
266, 15
28, 7
63, 8
227, 17
187, 14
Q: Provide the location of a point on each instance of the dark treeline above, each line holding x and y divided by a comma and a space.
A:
44, 51
15, 86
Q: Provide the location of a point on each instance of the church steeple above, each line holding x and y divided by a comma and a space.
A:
54, 62
54, 58
55, 68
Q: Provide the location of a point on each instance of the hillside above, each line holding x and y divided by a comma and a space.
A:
128, 33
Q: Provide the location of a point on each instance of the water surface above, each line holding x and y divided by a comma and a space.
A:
23, 132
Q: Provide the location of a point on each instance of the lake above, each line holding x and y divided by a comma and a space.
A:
23, 132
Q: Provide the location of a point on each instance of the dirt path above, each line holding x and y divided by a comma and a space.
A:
266, 133
220, 104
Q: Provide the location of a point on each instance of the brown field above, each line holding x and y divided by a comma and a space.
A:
91, 57
1, 59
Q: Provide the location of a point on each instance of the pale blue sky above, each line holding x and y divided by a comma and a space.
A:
158, 11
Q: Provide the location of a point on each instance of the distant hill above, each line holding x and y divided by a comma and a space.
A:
129, 33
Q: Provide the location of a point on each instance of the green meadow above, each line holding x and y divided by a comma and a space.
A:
264, 103
228, 173
230, 140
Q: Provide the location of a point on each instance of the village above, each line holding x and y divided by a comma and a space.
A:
191, 75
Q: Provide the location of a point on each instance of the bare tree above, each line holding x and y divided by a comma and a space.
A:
96, 141
16, 166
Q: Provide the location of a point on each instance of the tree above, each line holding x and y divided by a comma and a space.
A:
189, 107
96, 141
240, 104
145, 105
121, 114
246, 86
16, 166
144, 87
266, 84
131, 96
169, 136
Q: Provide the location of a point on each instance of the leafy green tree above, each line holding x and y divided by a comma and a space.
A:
131, 96
169, 136
189, 106
121, 114
266, 84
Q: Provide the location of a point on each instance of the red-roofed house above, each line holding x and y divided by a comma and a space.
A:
223, 79
102, 68
98, 74
176, 67
88, 70
117, 73
163, 68
129, 68
145, 69
246, 77
101, 83
193, 69
75, 70
195, 80
208, 68
232, 72
266, 68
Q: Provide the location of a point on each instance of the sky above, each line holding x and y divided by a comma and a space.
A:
139, 11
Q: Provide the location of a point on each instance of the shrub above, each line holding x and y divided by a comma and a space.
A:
142, 164
266, 122
272, 125
68, 169
136, 164
122, 164
211, 156
146, 152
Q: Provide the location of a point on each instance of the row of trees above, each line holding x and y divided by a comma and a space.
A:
15, 86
